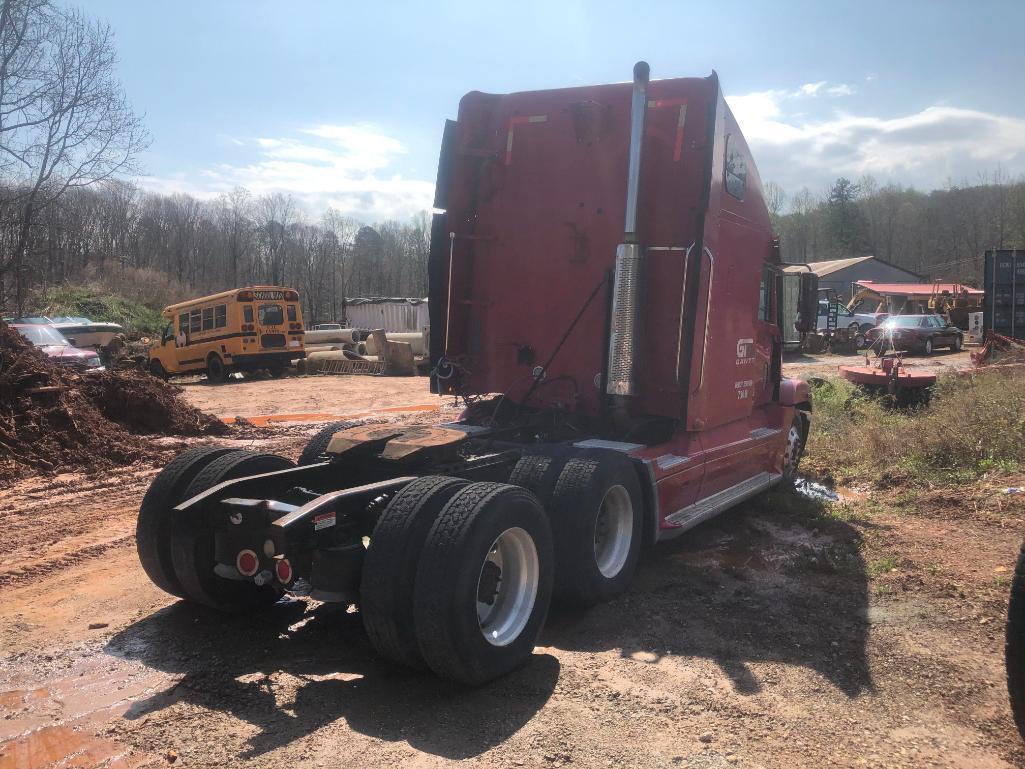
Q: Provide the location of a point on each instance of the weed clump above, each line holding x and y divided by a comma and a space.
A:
973, 425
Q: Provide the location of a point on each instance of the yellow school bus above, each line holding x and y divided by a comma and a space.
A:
245, 329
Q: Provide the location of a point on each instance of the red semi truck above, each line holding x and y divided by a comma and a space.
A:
606, 295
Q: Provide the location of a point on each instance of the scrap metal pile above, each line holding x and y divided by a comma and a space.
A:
999, 350
53, 419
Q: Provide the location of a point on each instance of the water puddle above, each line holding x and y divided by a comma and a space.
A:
62, 746
54, 725
815, 490
822, 493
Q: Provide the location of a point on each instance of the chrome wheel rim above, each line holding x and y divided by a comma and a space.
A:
507, 586
793, 451
613, 531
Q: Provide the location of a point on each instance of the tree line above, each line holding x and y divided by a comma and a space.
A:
192, 247
942, 234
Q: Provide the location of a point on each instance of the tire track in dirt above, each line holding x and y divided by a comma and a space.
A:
67, 521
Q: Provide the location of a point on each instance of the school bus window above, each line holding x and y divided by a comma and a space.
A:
270, 315
291, 313
195, 324
208, 318
220, 316
183, 321
247, 313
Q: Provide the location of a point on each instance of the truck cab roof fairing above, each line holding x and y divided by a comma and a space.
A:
534, 186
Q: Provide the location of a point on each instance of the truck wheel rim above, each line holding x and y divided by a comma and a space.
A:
613, 531
507, 586
793, 447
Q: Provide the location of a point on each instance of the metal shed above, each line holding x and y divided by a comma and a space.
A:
841, 274
388, 313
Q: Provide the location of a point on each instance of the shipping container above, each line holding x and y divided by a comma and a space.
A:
1004, 284
389, 314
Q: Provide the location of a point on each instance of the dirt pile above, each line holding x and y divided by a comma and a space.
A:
53, 419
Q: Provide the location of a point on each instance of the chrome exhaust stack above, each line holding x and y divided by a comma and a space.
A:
626, 292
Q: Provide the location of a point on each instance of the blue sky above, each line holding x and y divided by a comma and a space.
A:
342, 103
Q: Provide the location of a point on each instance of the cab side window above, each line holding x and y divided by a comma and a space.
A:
183, 321
736, 170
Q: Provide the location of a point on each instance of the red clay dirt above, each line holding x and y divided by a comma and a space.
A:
52, 419
787, 633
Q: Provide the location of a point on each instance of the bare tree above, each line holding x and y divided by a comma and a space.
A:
235, 214
65, 121
775, 199
277, 213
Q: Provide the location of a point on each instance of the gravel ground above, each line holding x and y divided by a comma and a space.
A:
786, 633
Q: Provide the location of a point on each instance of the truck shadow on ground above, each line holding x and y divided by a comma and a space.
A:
777, 580
292, 670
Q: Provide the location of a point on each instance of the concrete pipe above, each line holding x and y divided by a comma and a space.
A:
415, 339
315, 360
338, 336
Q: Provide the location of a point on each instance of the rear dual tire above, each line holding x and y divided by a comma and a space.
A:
192, 539
316, 449
389, 570
484, 583
458, 578
597, 521
154, 524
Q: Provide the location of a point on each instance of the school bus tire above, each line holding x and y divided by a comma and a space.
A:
216, 371
156, 368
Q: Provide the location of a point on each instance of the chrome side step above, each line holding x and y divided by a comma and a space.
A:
721, 501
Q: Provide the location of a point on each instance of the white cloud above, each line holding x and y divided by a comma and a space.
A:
924, 148
349, 167
810, 89
841, 89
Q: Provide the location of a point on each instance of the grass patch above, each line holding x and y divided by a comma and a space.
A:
97, 305
882, 566
973, 426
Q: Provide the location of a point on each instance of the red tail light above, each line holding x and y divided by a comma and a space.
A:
283, 571
247, 563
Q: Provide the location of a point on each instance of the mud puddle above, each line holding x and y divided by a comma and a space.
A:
60, 723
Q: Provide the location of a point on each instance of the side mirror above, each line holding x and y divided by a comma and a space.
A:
72, 341
807, 303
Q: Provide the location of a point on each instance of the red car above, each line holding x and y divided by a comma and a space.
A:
57, 346
918, 333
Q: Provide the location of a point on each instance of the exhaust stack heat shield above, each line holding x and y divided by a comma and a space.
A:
626, 318
626, 293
